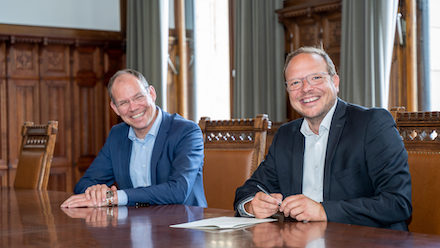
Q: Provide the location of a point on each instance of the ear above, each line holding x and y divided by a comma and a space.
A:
114, 108
152, 93
335, 79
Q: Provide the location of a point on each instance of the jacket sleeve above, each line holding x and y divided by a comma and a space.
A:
387, 166
100, 171
184, 156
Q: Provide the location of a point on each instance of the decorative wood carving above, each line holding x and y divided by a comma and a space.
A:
233, 131
420, 131
23, 60
55, 61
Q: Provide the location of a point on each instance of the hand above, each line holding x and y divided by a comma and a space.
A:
267, 235
96, 217
299, 234
77, 201
80, 200
302, 208
96, 194
263, 206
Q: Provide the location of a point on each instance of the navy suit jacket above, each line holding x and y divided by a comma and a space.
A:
176, 164
366, 175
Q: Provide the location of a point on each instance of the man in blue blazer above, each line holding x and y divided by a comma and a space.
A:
341, 162
153, 157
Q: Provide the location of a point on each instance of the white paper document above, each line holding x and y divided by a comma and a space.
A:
222, 223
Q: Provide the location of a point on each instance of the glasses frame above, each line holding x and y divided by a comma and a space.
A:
309, 78
123, 106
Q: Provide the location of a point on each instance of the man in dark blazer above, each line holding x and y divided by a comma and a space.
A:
153, 157
341, 162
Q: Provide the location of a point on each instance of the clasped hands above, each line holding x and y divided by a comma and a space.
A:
299, 207
94, 196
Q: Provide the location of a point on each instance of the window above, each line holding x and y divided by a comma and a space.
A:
212, 59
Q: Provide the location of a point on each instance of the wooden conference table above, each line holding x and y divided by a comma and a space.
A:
34, 219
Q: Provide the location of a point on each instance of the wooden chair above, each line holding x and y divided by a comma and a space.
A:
233, 150
420, 132
36, 152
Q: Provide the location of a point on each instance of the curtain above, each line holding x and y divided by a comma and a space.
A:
144, 42
259, 60
368, 28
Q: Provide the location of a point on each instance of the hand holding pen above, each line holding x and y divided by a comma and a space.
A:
267, 193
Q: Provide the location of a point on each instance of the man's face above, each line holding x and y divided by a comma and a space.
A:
135, 105
312, 102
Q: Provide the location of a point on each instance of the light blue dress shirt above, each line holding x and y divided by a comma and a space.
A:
140, 160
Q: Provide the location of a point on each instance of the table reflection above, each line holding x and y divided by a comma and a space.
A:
296, 234
142, 223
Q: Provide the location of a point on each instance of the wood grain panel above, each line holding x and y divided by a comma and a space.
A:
23, 60
2, 59
114, 60
60, 179
23, 105
88, 96
3, 122
55, 107
4, 178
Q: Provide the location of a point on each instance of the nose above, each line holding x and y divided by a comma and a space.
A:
306, 85
132, 106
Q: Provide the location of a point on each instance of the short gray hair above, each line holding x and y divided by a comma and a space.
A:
312, 50
135, 73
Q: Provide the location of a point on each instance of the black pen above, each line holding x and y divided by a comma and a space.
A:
267, 193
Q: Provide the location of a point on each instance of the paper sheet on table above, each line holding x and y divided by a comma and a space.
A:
222, 223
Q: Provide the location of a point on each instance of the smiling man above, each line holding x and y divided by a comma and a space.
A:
153, 157
340, 162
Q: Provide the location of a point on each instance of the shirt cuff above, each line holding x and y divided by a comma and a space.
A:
241, 210
122, 198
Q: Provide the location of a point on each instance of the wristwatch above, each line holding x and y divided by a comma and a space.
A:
109, 197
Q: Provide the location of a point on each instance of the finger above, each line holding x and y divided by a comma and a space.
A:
290, 202
71, 199
266, 198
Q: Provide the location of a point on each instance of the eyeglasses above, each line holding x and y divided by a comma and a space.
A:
313, 79
125, 104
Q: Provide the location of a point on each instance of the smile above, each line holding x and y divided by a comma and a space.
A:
138, 115
312, 99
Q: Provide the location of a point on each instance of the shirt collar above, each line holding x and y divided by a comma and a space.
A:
325, 123
153, 130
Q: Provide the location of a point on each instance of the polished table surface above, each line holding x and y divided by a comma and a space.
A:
34, 219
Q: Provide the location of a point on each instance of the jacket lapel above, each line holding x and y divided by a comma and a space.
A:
162, 135
297, 160
124, 159
337, 125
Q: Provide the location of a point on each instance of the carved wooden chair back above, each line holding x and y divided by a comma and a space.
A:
233, 150
36, 152
420, 132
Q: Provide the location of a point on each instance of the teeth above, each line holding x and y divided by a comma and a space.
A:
138, 115
311, 99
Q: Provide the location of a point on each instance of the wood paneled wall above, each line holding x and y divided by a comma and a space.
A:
311, 23
57, 78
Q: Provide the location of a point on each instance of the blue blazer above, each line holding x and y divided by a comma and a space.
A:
366, 175
176, 164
